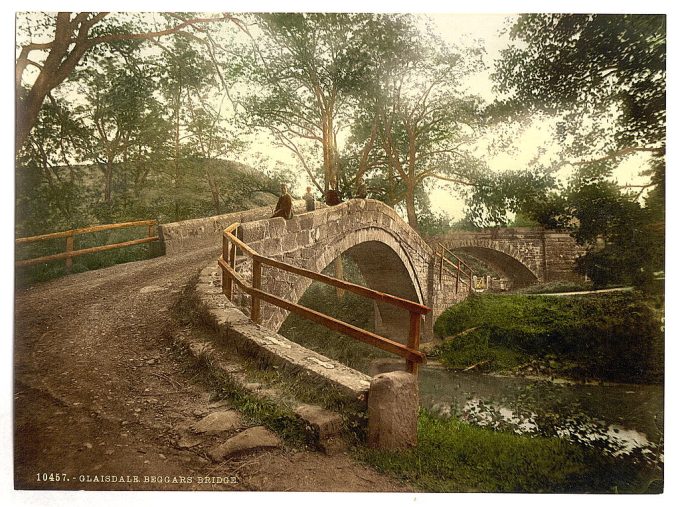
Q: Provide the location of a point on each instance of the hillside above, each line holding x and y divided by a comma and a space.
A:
68, 197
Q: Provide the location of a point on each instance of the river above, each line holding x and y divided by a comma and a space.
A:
621, 419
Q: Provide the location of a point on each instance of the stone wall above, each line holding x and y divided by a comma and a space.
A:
198, 233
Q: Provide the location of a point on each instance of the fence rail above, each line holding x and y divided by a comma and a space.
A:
70, 235
227, 262
460, 267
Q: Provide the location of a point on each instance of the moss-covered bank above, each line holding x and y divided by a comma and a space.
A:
616, 336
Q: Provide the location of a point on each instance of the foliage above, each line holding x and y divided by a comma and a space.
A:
555, 287
590, 66
452, 456
607, 336
603, 77
417, 123
303, 69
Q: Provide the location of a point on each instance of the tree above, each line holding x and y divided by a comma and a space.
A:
306, 67
426, 126
589, 66
49, 173
59, 42
125, 117
604, 77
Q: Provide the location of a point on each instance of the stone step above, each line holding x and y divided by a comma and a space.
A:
324, 428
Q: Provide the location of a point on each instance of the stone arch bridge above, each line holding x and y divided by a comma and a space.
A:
523, 255
391, 256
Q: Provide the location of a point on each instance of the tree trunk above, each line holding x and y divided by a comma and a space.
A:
108, 180
411, 206
214, 191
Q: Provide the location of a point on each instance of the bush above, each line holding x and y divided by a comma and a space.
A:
609, 336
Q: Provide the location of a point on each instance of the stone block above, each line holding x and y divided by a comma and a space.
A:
289, 242
217, 422
326, 424
254, 232
393, 411
277, 227
293, 226
252, 439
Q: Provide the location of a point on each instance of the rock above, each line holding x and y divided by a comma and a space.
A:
393, 411
217, 422
188, 441
252, 439
219, 404
325, 423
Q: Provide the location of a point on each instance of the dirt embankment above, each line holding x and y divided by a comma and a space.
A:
103, 401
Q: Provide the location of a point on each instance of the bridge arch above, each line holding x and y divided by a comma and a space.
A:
506, 264
391, 257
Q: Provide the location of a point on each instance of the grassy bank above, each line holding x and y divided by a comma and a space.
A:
613, 337
455, 457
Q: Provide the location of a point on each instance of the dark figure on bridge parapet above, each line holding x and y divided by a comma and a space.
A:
284, 206
310, 203
362, 192
333, 197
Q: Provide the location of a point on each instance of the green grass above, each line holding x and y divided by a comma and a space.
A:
452, 456
555, 287
613, 336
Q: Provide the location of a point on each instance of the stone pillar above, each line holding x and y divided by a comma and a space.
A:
393, 411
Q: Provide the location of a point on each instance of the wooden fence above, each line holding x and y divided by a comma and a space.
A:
227, 262
462, 271
70, 235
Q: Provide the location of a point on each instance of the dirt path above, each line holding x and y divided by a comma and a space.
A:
101, 400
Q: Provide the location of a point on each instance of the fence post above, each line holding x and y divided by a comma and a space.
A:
457, 273
226, 278
257, 284
69, 250
441, 265
413, 341
150, 234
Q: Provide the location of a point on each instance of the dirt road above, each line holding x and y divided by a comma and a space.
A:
102, 401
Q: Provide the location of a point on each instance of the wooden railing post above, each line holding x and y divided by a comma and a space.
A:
457, 275
413, 341
257, 284
69, 252
471, 289
150, 234
226, 279
441, 265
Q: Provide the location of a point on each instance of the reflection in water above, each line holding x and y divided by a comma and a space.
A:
621, 420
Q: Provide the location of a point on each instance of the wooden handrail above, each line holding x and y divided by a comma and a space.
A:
457, 266
83, 230
410, 351
70, 234
337, 325
451, 272
444, 249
